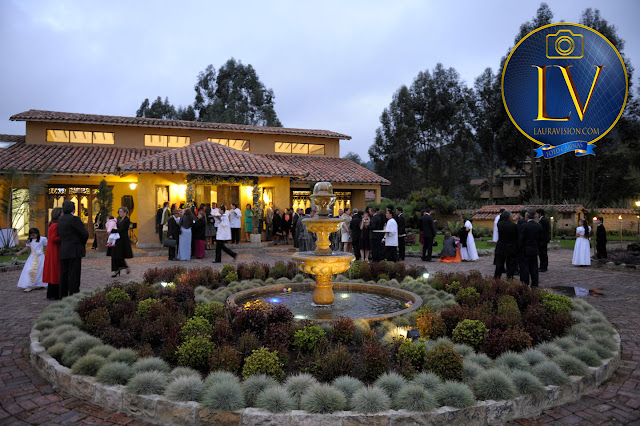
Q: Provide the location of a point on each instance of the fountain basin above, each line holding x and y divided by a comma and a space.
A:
357, 301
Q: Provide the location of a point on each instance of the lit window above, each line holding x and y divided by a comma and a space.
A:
283, 147
155, 140
316, 149
80, 137
178, 141
57, 136
104, 138
299, 148
239, 144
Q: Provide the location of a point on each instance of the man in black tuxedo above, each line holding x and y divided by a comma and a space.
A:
428, 228
354, 227
529, 238
73, 238
402, 232
173, 233
294, 224
507, 246
546, 237
601, 240
377, 224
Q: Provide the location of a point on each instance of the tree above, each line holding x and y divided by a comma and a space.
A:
165, 110
236, 95
104, 197
355, 158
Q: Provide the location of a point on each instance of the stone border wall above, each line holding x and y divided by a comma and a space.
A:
157, 409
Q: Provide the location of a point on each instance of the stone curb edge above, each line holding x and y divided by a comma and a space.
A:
157, 409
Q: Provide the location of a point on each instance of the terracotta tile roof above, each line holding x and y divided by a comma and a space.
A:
12, 138
65, 158
466, 212
212, 158
490, 211
334, 170
71, 117
616, 211
477, 181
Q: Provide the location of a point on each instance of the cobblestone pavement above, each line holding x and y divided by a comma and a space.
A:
26, 398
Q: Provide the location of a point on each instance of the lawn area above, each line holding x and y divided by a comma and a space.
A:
569, 243
5, 259
480, 245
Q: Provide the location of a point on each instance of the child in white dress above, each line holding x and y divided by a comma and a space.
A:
582, 249
110, 225
31, 276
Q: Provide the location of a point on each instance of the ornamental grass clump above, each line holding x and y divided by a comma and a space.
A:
427, 380
184, 371
115, 373
586, 355
463, 350
88, 365
565, 343
125, 355
534, 356
185, 388
526, 383
494, 384
414, 398
224, 395
454, 394
391, 383
471, 370
78, 348
549, 349
71, 335
370, 400
151, 364
348, 386
512, 361
147, 383
481, 359
550, 374
102, 350
253, 385
49, 341
321, 398
571, 365
606, 340
219, 377
600, 349
298, 385
275, 399
56, 351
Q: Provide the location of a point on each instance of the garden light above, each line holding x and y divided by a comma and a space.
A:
413, 334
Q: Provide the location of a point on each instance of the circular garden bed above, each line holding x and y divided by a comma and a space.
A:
481, 341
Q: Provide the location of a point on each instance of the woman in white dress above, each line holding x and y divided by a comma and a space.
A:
31, 276
469, 252
582, 251
184, 241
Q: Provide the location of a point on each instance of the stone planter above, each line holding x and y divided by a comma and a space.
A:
101, 237
255, 238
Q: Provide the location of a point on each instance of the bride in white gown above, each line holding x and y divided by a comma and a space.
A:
582, 250
469, 252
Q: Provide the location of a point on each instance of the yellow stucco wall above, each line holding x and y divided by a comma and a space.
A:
133, 137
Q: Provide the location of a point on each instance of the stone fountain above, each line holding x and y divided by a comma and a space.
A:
323, 263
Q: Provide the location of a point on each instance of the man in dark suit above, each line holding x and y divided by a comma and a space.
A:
529, 238
294, 224
601, 240
402, 233
546, 237
354, 227
173, 233
507, 246
73, 238
428, 227
377, 224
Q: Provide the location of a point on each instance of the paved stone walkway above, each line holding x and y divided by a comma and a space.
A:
25, 398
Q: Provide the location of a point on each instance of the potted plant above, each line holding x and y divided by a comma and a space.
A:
104, 198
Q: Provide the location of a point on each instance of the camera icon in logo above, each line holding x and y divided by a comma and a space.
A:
565, 45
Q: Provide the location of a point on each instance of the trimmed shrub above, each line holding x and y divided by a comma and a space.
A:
468, 296
263, 361
412, 354
298, 385
430, 324
470, 332
88, 365
185, 388
115, 373
494, 384
334, 363
307, 338
429, 381
454, 394
195, 352
125, 355
211, 311
370, 400
391, 383
343, 329
512, 361
253, 385
219, 377
445, 362
145, 307
184, 371
375, 361
224, 395
415, 398
196, 326
151, 364
147, 383
275, 399
554, 303
526, 383
587, 356
550, 374
226, 358
323, 399
571, 365
116, 295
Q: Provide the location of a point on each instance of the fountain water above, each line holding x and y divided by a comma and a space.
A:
323, 263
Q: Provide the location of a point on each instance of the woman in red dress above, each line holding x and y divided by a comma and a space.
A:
51, 272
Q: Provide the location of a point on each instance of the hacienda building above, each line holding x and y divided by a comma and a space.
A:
148, 161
